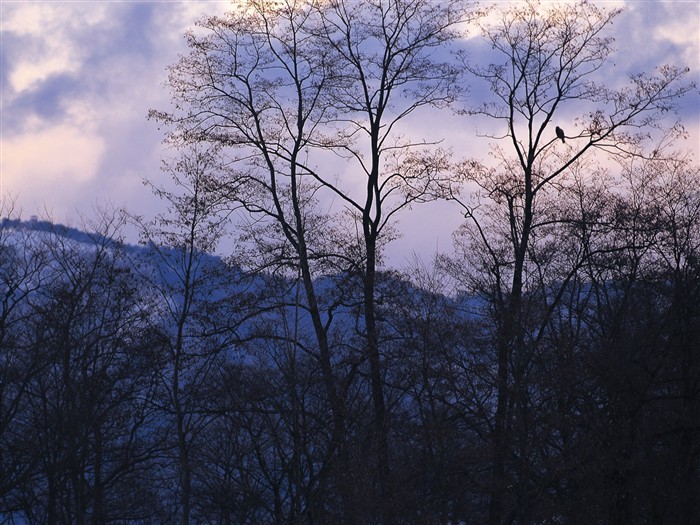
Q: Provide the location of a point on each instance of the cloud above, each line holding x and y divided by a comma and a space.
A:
658, 33
47, 34
653, 33
50, 162
66, 151
78, 81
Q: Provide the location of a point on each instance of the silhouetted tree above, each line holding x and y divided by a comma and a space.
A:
195, 307
21, 263
85, 415
280, 86
548, 59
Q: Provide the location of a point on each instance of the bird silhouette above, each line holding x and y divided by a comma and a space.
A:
560, 133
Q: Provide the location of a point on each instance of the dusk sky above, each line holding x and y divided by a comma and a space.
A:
79, 77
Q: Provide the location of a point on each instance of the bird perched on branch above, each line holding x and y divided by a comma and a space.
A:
560, 133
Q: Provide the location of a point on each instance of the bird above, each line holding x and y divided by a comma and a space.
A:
560, 133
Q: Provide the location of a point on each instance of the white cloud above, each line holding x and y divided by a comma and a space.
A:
681, 29
47, 168
47, 162
178, 17
49, 31
63, 151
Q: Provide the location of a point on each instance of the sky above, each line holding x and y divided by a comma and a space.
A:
77, 79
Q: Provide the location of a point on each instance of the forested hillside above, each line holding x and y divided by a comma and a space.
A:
255, 360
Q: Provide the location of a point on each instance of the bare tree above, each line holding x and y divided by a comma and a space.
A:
647, 297
21, 263
549, 58
85, 412
254, 81
284, 87
194, 304
381, 48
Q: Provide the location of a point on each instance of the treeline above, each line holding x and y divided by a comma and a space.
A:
140, 384
548, 371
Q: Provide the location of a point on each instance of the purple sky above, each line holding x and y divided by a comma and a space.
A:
78, 79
